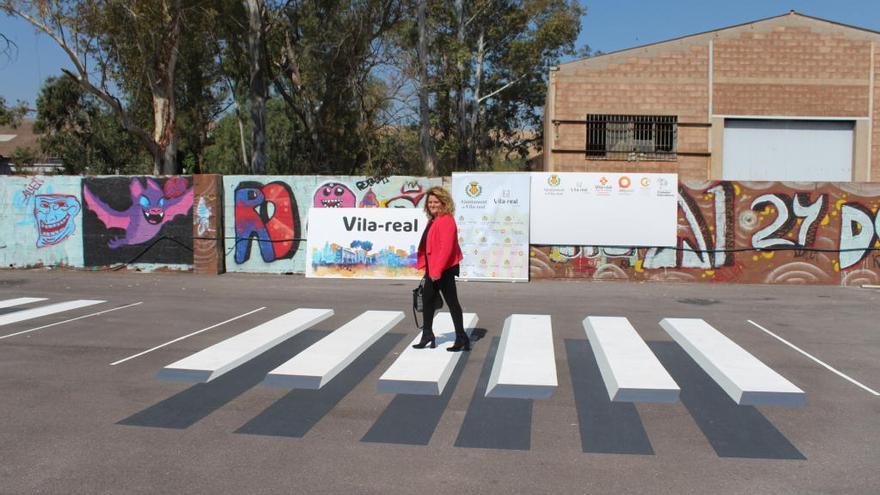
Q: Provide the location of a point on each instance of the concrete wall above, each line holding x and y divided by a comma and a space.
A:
143, 222
204, 222
274, 208
827, 227
41, 222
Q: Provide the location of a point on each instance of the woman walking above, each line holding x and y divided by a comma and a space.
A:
439, 255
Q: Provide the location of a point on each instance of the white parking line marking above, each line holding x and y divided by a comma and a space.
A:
8, 303
838, 373
30, 314
186, 336
72, 319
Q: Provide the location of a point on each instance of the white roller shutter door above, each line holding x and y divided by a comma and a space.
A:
788, 150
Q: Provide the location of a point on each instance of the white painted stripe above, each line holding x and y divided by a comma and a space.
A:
29, 314
426, 371
8, 303
744, 377
225, 356
178, 339
321, 362
826, 366
72, 319
630, 370
525, 364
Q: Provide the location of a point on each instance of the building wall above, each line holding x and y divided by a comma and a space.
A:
787, 66
792, 70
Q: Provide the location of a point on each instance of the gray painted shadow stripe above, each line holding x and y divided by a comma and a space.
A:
732, 430
492, 423
297, 412
606, 427
193, 404
412, 419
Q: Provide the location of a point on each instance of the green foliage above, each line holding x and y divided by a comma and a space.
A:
76, 128
12, 116
498, 64
23, 157
343, 79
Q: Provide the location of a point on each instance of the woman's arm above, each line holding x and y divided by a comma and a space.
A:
441, 250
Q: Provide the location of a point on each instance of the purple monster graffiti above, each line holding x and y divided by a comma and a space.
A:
152, 206
334, 195
54, 217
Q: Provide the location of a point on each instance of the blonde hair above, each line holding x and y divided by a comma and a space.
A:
446, 202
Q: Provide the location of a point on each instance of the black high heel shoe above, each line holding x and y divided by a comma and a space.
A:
460, 345
424, 342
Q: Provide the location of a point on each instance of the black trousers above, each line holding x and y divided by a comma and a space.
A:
446, 287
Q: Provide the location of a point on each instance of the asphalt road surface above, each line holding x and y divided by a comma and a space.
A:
84, 412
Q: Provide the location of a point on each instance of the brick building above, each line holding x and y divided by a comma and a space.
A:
789, 98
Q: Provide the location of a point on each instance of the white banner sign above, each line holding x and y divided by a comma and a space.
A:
492, 212
604, 209
364, 242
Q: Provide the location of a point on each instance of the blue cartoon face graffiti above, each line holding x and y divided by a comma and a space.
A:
54, 217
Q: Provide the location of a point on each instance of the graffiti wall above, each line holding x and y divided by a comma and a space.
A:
143, 220
811, 233
41, 221
264, 216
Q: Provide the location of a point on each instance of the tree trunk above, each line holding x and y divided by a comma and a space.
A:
165, 153
426, 146
162, 88
461, 70
475, 109
258, 89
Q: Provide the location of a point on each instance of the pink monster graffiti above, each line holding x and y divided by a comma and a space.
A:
334, 195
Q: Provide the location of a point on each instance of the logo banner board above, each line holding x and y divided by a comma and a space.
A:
364, 242
492, 213
604, 209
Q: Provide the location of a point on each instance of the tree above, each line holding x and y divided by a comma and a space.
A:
120, 47
326, 55
426, 146
12, 116
77, 128
489, 61
259, 91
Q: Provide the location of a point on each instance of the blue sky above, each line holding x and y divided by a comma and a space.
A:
609, 25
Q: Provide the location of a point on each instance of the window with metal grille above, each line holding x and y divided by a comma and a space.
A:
631, 137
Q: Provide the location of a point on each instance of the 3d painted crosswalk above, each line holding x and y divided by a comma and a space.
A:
426, 371
524, 366
222, 357
317, 365
746, 380
31, 313
629, 369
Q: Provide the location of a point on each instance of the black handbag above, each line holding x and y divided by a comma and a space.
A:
419, 300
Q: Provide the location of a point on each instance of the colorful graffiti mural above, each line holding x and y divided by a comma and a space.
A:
746, 232
54, 216
271, 211
269, 214
808, 233
124, 215
41, 219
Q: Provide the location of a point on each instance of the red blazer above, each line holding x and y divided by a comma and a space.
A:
440, 247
